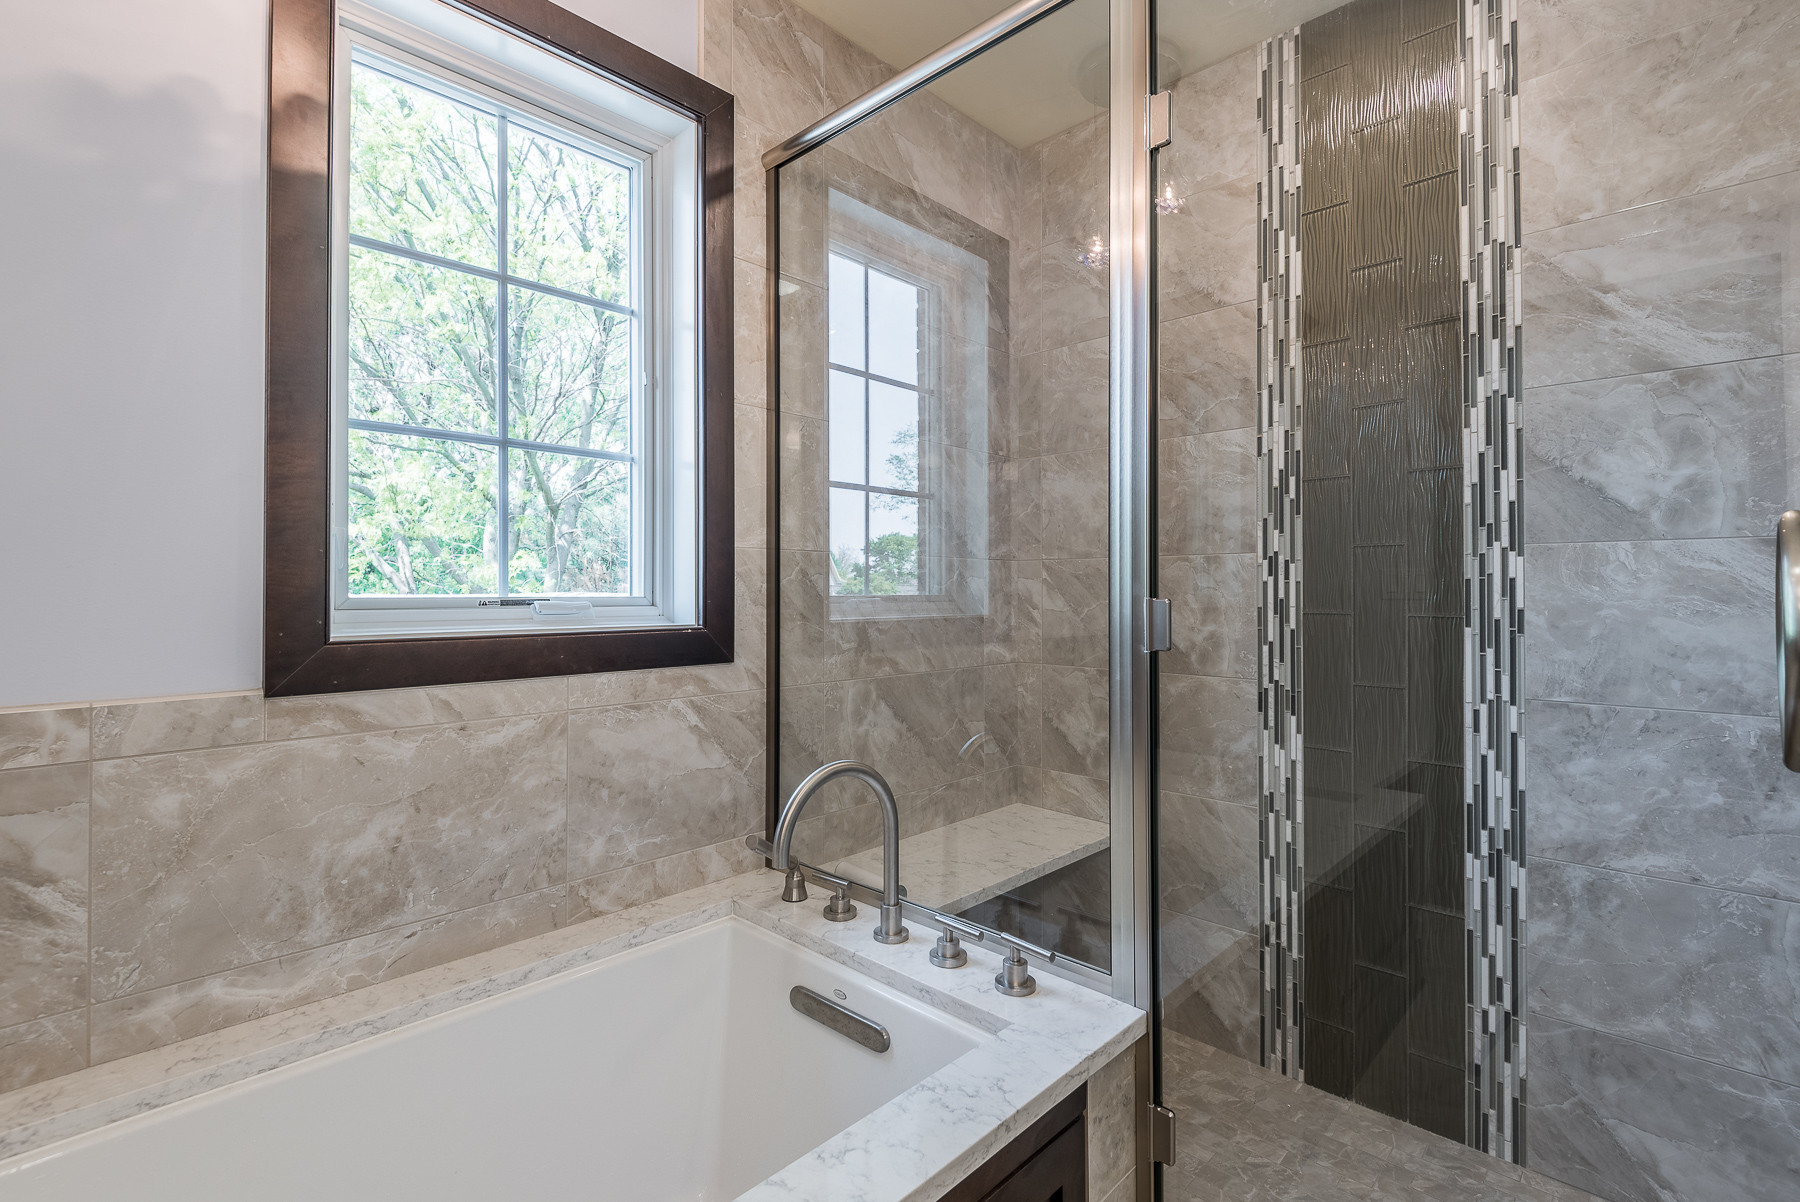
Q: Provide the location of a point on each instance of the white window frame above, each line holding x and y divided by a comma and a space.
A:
441, 48
927, 391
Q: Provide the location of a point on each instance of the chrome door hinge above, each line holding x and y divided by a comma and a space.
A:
1157, 633
1159, 129
1162, 1135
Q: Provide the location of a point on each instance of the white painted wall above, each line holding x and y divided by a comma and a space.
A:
132, 145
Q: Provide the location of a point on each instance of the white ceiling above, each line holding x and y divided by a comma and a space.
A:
1027, 89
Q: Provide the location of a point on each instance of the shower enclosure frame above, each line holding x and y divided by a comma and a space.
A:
1133, 422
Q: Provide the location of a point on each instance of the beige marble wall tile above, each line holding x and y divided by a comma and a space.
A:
828, 837
1062, 301
212, 860
1217, 134
636, 884
1076, 607
1010, 714
718, 20
1126, 1190
1207, 375
1075, 722
815, 731
1208, 860
1075, 505
804, 469
1706, 106
1211, 750
750, 500
30, 737
1564, 32
1214, 599
146, 727
1206, 254
649, 780
141, 1021
1066, 793
1112, 1123
346, 713
750, 340
802, 332
778, 66
1207, 502
43, 891
1012, 629
750, 201
1065, 402
498, 699
1016, 508
913, 727
1072, 170
43, 1048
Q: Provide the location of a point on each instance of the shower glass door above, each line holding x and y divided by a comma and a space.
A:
941, 468
1424, 268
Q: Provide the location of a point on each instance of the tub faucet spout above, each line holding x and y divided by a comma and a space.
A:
890, 930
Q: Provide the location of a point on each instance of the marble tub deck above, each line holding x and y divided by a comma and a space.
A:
912, 1149
1246, 1134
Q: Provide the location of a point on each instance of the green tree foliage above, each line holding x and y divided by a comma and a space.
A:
424, 342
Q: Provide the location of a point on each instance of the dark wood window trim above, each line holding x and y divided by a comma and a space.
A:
298, 655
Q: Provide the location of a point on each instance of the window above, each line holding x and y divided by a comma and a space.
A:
877, 401
528, 396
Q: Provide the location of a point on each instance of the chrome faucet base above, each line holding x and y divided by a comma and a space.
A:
949, 951
1023, 986
890, 929
1014, 978
794, 888
840, 908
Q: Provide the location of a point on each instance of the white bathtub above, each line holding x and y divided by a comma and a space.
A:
677, 1070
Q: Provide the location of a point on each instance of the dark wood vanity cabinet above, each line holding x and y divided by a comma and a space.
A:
1046, 1163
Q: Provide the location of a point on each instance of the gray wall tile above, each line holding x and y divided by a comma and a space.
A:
1696, 453
1704, 972
1209, 738
1706, 106
1214, 600
1208, 500
1700, 279
1681, 624
1700, 798
1206, 377
1207, 860
1639, 1124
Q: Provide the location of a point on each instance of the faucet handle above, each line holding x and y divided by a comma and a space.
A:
1014, 978
949, 951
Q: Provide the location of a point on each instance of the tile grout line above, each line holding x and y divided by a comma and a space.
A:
1663, 880
1653, 371
1651, 1047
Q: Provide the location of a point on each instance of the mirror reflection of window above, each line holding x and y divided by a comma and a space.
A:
877, 399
